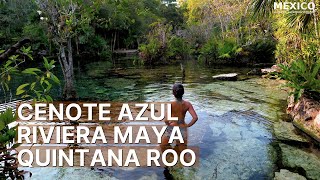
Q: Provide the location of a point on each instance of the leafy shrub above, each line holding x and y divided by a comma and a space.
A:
37, 34
209, 50
154, 50
302, 71
8, 166
302, 77
39, 89
150, 51
98, 46
178, 47
219, 49
9, 68
7, 134
262, 50
228, 48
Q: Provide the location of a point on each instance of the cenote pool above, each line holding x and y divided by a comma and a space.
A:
234, 131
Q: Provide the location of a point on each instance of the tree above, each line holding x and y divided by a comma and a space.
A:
65, 20
297, 48
302, 22
14, 15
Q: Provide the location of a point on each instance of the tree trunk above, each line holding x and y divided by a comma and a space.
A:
114, 41
221, 26
66, 63
69, 92
315, 21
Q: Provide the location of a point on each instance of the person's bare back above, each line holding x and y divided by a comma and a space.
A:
179, 109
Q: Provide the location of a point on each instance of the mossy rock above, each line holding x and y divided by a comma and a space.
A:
288, 175
285, 131
308, 129
298, 159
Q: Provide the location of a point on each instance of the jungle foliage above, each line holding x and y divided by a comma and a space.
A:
38, 89
297, 50
215, 32
220, 31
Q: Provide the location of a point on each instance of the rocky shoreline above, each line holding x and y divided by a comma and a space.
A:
299, 140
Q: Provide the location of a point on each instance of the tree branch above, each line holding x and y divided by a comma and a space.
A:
14, 48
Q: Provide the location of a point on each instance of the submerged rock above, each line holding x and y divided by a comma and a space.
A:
98, 69
298, 159
288, 175
226, 77
285, 131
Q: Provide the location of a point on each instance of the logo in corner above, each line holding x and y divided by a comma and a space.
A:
295, 7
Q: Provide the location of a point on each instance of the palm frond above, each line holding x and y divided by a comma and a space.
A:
263, 7
300, 21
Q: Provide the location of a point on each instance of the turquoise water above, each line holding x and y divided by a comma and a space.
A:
234, 130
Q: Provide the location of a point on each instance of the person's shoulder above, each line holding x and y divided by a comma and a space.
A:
187, 103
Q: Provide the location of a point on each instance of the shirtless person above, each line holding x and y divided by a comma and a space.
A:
179, 109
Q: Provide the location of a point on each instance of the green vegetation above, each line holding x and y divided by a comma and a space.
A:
219, 31
297, 50
301, 77
42, 80
77, 35
7, 135
225, 30
303, 72
73, 32
163, 45
39, 88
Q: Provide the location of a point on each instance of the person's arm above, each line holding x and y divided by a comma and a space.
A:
166, 119
193, 114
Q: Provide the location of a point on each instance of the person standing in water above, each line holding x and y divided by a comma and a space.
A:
179, 108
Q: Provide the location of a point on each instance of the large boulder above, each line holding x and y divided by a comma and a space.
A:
306, 114
226, 77
300, 160
305, 109
285, 174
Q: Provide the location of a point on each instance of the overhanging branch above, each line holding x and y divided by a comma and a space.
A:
13, 49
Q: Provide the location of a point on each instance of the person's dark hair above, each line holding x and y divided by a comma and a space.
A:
178, 90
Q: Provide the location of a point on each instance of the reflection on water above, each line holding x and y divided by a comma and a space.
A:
233, 130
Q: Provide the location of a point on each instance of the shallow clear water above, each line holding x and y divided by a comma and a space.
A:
234, 130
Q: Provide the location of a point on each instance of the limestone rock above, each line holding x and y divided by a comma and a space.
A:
286, 131
226, 77
274, 68
305, 113
305, 109
295, 158
317, 121
287, 175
